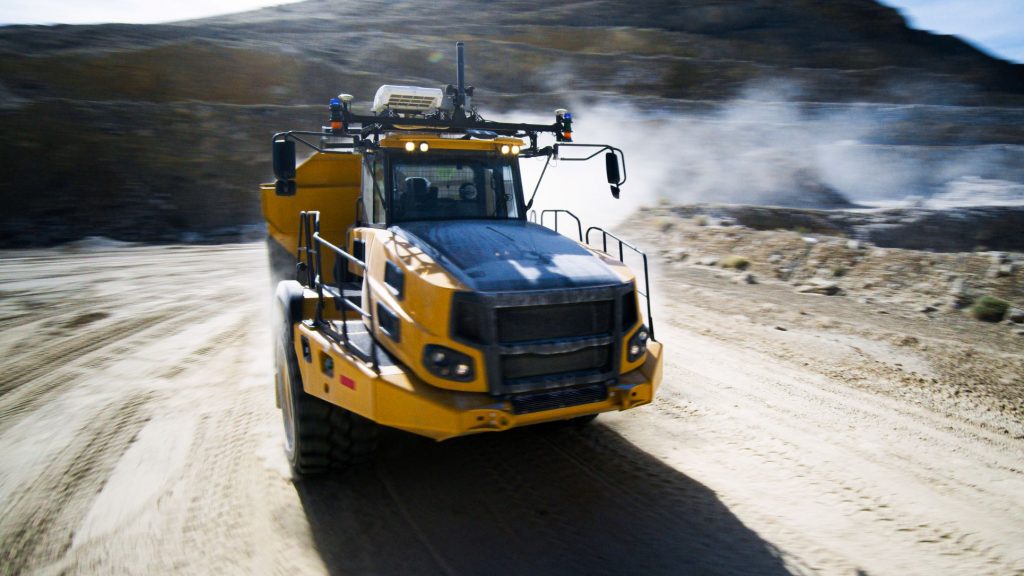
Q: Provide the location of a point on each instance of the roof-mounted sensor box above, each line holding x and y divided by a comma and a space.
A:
407, 99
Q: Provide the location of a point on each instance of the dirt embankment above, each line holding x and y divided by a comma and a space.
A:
923, 306
793, 433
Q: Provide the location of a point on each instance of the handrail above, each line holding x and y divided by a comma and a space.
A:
646, 293
309, 223
341, 252
579, 225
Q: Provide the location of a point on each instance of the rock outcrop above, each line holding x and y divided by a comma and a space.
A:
155, 132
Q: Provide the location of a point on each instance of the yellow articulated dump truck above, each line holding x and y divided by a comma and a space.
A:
414, 288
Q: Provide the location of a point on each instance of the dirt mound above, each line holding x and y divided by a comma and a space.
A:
971, 229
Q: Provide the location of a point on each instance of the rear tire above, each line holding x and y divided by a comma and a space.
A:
318, 435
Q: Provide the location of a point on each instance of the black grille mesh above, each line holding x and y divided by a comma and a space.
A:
554, 322
535, 402
516, 366
533, 347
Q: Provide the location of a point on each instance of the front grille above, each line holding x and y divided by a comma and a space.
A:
516, 367
563, 398
545, 341
527, 323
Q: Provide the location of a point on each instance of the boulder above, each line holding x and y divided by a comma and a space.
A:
1015, 315
677, 254
819, 286
707, 261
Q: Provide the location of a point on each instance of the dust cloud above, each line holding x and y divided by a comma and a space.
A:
763, 148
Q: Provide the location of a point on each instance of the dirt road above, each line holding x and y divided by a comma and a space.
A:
138, 434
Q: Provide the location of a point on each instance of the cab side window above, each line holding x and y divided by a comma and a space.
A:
373, 192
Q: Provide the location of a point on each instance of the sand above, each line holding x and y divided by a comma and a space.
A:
138, 434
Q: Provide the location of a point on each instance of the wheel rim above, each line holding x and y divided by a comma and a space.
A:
284, 388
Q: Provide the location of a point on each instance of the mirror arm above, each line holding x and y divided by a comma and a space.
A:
539, 180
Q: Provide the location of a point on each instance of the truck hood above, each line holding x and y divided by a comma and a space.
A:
507, 255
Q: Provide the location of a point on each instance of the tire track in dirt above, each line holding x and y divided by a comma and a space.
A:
34, 529
68, 350
46, 376
206, 518
751, 465
100, 366
877, 464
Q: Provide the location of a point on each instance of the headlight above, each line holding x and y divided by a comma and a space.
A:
637, 344
447, 363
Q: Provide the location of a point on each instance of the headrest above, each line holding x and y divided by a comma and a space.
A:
467, 191
417, 186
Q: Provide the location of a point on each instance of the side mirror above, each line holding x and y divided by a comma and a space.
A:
284, 159
284, 167
611, 164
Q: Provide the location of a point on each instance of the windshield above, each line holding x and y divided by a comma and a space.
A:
453, 187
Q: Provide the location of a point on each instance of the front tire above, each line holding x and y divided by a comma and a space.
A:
318, 435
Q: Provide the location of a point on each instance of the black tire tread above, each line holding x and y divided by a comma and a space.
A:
326, 436
331, 437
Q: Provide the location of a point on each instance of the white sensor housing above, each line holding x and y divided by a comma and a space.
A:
407, 99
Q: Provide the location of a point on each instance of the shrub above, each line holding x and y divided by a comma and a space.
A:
737, 262
989, 309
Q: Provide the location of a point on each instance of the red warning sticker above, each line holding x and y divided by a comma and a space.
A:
347, 382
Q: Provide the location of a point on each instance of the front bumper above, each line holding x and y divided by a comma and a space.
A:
397, 398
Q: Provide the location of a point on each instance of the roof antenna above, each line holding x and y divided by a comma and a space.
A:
461, 96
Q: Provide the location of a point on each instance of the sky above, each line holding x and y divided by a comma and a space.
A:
995, 26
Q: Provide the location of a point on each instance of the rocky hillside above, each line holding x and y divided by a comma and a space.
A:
151, 132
